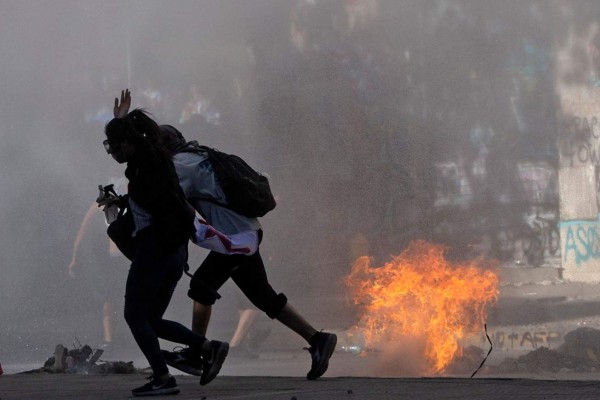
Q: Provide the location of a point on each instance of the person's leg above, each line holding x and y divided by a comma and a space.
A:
251, 278
214, 271
203, 358
201, 317
151, 282
144, 282
243, 342
143, 300
137, 315
171, 330
322, 344
247, 317
208, 278
206, 357
296, 322
107, 322
150, 286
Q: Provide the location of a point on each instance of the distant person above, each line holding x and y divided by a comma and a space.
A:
98, 261
247, 337
238, 339
163, 225
200, 184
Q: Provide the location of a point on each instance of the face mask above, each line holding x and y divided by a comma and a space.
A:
118, 150
119, 157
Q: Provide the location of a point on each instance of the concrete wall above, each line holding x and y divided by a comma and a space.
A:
579, 226
578, 182
579, 148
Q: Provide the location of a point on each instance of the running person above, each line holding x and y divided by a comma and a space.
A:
199, 183
163, 225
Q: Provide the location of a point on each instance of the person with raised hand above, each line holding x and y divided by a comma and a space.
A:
163, 224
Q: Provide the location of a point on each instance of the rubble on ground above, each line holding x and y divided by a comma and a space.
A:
579, 353
83, 360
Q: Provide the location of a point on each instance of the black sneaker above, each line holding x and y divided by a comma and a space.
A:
321, 348
184, 360
156, 388
211, 364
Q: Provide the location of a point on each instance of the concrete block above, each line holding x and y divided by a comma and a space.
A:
577, 191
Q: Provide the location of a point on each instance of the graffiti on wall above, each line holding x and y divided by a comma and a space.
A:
525, 236
538, 181
582, 145
526, 340
581, 241
453, 187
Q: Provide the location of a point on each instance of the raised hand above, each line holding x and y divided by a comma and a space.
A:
121, 110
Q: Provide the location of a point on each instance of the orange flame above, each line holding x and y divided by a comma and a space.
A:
420, 293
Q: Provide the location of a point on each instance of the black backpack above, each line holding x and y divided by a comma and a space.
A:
247, 192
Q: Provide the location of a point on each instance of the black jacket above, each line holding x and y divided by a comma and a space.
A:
153, 184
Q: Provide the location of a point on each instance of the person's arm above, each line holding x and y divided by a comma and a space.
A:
80, 234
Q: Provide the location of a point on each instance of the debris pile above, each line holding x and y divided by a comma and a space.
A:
582, 343
83, 360
579, 353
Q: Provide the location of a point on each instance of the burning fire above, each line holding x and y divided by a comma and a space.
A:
420, 293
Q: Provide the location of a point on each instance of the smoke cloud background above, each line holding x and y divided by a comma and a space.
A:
352, 112
62, 65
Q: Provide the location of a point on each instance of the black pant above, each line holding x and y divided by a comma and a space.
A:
248, 273
151, 282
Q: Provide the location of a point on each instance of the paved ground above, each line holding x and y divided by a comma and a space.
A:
92, 387
278, 374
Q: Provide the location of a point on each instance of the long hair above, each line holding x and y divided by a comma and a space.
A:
141, 131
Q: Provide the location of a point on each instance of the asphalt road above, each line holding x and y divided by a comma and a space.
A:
94, 387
